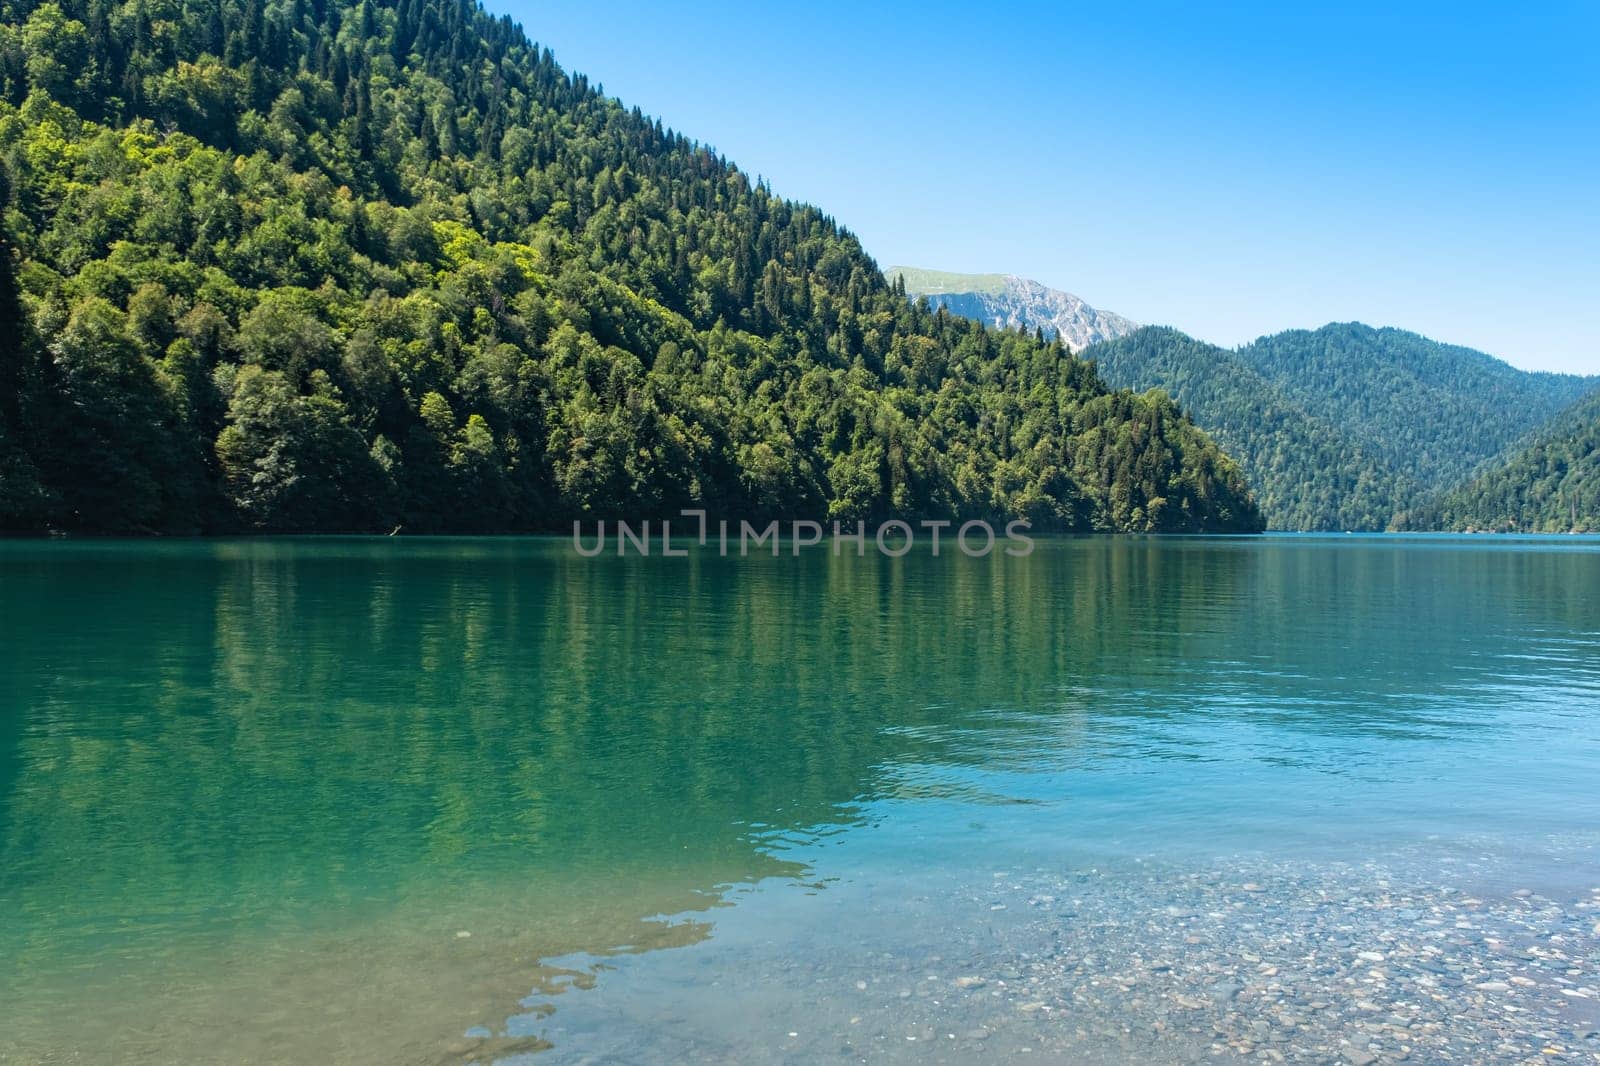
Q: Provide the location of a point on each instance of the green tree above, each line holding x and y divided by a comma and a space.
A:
292, 461
57, 53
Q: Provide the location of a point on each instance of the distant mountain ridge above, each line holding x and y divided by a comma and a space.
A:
1346, 427
1307, 471
1432, 411
1010, 301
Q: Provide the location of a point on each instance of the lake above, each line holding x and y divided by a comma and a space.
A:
1297, 798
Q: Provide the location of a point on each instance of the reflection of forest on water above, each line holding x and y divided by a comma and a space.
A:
268, 782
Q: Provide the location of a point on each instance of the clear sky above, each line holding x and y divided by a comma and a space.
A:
1229, 169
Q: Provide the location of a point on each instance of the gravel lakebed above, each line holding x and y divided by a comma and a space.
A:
1353, 964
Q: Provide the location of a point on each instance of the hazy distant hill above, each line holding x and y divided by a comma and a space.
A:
1308, 473
1349, 427
1551, 485
1010, 301
1434, 412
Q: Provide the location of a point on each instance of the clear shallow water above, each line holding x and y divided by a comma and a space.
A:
252, 793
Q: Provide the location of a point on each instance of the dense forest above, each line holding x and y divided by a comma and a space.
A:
1433, 412
1307, 473
1347, 427
321, 265
1550, 486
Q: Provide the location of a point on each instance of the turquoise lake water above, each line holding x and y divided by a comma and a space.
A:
415, 800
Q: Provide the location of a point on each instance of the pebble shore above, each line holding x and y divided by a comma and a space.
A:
1348, 965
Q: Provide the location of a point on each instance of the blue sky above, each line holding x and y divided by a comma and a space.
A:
1232, 170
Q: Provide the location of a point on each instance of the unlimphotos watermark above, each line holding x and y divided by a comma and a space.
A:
893, 538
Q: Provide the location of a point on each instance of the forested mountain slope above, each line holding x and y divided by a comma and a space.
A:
327, 265
1344, 427
1550, 486
1347, 427
1307, 473
1433, 412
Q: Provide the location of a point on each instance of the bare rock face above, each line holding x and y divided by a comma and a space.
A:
1009, 301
